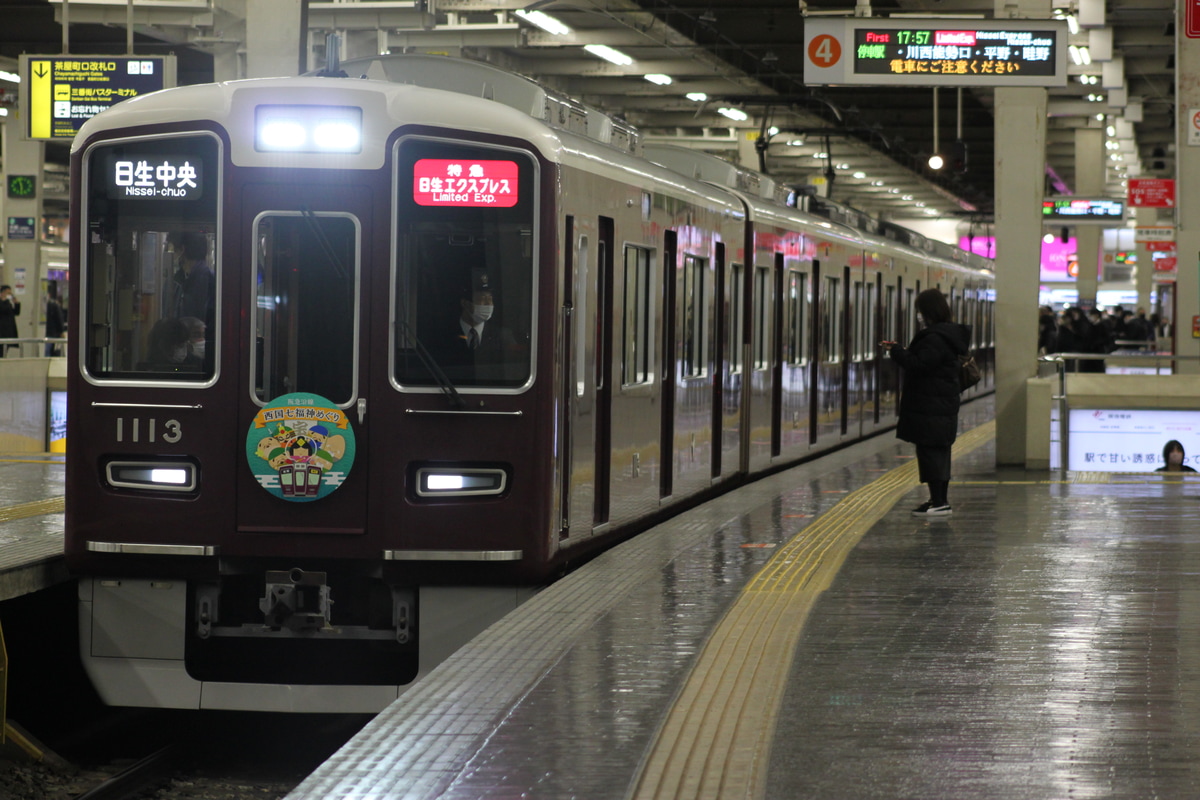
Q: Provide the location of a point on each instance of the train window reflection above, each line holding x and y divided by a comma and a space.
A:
464, 296
150, 263
306, 286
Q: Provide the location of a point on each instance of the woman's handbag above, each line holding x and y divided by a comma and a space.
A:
968, 372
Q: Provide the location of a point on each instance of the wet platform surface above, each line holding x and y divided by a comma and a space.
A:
31, 523
1040, 643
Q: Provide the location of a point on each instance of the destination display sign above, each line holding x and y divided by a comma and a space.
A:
469, 183
1076, 210
156, 177
66, 91
935, 52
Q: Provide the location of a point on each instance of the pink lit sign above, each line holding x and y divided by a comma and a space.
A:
472, 184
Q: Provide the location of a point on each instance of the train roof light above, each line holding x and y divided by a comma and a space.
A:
337, 136
308, 129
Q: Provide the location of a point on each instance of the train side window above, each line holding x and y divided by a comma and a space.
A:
858, 321
797, 300
306, 305
889, 315
695, 313
466, 245
866, 342
831, 321
582, 328
636, 326
735, 317
151, 267
762, 317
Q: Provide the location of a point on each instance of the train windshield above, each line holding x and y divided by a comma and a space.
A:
150, 265
464, 302
306, 278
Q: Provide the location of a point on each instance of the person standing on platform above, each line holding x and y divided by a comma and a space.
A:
9, 309
56, 324
929, 398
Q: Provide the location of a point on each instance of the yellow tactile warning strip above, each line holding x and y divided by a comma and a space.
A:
52, 505
715, 741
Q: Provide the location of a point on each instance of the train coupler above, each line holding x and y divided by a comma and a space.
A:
296, 600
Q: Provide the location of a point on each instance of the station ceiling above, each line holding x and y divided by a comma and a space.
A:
748, 54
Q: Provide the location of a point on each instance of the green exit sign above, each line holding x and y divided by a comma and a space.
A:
21, 186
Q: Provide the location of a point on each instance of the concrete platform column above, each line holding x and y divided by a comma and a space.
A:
1089, 182
22, 257
1187, 192
1020, 169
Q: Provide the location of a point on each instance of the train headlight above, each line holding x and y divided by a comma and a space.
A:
162, 476
465, 482
308, 129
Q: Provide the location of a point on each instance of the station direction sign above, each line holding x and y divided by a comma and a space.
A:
65, 91
1154, 233
935, 52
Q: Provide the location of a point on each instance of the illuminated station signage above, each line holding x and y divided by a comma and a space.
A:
155, 177
60, 93
465, 183
1075, 210
935, 52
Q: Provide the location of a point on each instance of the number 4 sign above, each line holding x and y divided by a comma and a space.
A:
824, 51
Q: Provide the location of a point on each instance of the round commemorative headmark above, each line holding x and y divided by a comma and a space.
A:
300, 447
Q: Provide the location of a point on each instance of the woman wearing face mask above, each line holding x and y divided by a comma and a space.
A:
929, 399
1173, 457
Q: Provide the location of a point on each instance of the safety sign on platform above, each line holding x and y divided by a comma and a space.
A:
1151, 193
66, 91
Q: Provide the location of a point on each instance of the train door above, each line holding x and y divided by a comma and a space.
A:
584, 384
304, 358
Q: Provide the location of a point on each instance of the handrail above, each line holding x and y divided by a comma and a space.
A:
27, 340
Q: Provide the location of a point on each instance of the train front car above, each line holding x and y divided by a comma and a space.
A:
304, 395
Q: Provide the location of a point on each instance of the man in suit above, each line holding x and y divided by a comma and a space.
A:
474, 337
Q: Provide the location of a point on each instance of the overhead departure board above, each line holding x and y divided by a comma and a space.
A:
935, 52
1074, 210
60, 93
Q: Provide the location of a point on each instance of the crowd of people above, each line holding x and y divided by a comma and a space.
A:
1074, 330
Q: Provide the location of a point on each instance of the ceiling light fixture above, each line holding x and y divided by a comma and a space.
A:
609, 54
936, 161
11, 77
735, 114
697, 97
659, 78
544, 21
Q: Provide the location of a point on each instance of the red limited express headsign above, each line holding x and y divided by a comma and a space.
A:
452, 182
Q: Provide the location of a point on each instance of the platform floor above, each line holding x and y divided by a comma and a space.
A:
806, 637
31, 523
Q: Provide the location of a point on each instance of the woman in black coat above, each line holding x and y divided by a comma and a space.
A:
929, 396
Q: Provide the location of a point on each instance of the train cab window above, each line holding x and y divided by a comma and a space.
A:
150, 263
762, 318
466, 244
306, 309
797, 319
636, 322
695, 313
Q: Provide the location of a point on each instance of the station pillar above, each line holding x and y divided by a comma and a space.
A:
1020, 132
272, 36
1089, 182
22, 247
1187, 193
1146, 218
